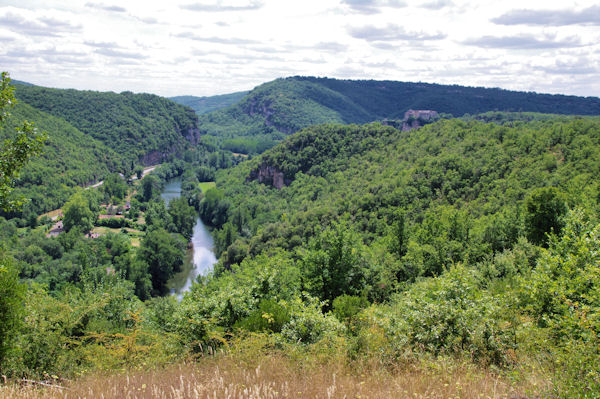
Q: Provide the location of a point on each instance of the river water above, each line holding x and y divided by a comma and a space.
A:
200, 258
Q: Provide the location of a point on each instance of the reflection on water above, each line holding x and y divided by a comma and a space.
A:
200, 257
171, 191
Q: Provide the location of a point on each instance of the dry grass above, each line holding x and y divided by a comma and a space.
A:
275, 376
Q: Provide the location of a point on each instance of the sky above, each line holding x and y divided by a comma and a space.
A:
209, 47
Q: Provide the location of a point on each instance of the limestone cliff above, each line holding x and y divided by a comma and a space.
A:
270, 175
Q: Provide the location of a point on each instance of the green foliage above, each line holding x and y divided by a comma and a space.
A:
16, 151
346, 307
163, 253
70, 159
461, 187
333, 264
120, 121
214, 207
114, 186
77, 213
183, 217
150, 188
308, 324
275, 109
236, 294
563, 294
270, 317
450, 314
544, 209
564, 288
12, 297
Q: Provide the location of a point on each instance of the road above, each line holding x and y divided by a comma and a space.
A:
134, 177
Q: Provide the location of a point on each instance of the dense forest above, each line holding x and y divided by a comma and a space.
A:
468, 246
138, 127
70, 159
275, 109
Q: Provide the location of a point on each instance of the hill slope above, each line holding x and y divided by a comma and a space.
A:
70, 158
138, 127
480, 171
281, 107
204, 105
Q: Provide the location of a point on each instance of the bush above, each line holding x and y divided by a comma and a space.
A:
544, 209
270, 316
450, 314
346, 307
308, 324
12, 296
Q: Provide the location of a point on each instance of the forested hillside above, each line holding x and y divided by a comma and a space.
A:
139, 127
203, 105
472, 175
278, 108
70, 158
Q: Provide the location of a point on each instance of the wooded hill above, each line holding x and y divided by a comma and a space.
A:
138, 127
275, 109
91, 134
473, 175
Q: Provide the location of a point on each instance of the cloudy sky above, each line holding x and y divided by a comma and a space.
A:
207, 47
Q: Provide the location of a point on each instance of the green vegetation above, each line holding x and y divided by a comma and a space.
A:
120, 121
465, 242
70, 158
275, 109
90, 137
435, 238
23, 142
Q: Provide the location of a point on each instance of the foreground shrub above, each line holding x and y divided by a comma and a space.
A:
443, 315
308, 324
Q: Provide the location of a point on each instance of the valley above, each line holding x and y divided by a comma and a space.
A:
312, 237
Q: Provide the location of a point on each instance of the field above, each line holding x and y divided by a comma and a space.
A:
206, 186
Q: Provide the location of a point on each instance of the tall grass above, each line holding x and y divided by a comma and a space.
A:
276, 375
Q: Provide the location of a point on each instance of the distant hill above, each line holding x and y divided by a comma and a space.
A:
139, 127
20, 82
278, 108
204, 105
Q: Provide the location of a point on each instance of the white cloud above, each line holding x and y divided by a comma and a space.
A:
218, 46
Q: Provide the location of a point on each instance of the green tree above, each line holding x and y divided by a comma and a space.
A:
114, 186
333, 264
77, 213
139, 172
14, 152
183, 217
544, 210
156, 215
398, 236
150, 188
163, 253
214, 208
12, 296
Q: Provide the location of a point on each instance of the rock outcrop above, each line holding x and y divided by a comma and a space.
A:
193, 135
270, 175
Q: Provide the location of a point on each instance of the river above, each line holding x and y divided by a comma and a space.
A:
200, 258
